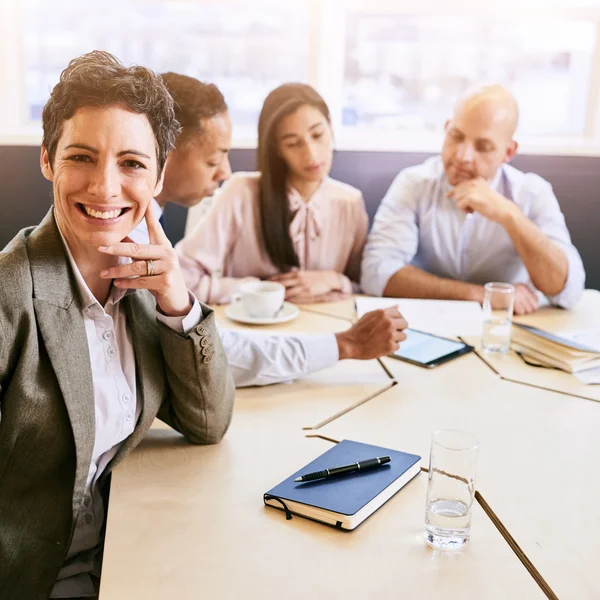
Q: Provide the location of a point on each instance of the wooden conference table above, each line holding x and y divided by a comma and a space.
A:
188, 522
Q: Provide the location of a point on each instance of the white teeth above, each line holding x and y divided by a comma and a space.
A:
113, 214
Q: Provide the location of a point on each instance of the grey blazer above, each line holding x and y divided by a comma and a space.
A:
47, 401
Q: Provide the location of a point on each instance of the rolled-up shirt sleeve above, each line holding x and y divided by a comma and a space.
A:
186, 323
394, 238
261, 359
545, 212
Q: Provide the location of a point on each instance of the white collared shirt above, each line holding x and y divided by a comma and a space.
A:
417, 224
260, 359
116, 411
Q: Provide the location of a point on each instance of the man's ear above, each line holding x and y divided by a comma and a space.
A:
45, 165
511, 151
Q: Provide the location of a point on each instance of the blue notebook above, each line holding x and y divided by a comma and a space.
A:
347, 500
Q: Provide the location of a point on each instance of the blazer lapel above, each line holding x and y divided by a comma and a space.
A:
60, 321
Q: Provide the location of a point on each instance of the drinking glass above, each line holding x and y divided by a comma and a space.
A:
498, 306
450, 489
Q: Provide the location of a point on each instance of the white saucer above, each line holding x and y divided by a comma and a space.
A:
236, 312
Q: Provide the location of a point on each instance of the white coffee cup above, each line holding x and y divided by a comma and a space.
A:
261, 299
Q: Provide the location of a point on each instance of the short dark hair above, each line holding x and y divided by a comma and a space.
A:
100, 79
194, 101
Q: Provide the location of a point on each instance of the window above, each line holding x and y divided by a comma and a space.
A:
405, 72
247, 49
390, 70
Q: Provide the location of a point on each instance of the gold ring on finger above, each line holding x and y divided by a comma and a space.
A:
150, 267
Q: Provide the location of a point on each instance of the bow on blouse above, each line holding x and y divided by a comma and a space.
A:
305, 226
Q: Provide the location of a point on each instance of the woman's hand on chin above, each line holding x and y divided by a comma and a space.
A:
155, 267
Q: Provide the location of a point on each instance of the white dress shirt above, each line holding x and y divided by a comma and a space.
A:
258, 359
112, 361
418, 225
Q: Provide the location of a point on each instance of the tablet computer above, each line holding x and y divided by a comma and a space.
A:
428, 350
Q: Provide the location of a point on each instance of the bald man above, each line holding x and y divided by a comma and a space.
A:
450, 225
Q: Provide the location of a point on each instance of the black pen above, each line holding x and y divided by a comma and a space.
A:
357, 466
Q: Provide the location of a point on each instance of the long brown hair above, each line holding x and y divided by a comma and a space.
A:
274, 210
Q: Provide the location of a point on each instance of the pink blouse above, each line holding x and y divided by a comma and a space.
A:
225, 249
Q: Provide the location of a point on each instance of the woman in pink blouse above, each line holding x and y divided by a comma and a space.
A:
289, 222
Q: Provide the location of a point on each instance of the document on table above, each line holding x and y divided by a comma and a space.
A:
586, 337
589, 377
448, 318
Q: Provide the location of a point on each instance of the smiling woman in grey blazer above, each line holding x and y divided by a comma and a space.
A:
98, 336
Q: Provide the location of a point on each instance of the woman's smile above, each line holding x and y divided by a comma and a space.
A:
102, 215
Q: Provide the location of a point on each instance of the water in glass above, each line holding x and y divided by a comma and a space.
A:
447, 523
496, 332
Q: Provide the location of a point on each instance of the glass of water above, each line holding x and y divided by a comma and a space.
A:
450, 489
498, 304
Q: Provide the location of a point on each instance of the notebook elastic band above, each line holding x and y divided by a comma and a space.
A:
288, 514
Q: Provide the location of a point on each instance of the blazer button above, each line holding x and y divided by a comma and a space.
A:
205, 342
207, 359
207, 351
201, 330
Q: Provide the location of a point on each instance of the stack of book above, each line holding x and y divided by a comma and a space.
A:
552, 350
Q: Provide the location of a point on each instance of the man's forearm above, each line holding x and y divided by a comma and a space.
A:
412, 282
545, 262
258, 359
